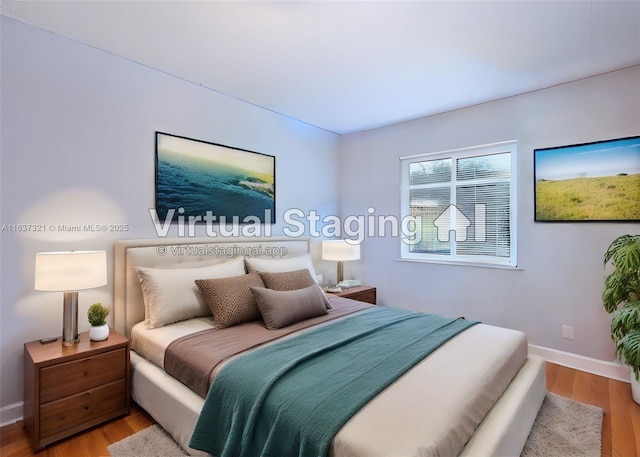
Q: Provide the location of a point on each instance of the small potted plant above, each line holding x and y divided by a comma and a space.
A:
621, 297
97, 315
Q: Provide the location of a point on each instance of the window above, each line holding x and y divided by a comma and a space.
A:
463, 204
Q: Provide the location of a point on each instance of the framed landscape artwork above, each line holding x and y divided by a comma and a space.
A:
597, 181
196, 179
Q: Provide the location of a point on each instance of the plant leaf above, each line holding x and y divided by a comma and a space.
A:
624, 282
628, 350
620, 243
626, 321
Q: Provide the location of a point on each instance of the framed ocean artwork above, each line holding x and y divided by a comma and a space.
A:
589, 182
208, 182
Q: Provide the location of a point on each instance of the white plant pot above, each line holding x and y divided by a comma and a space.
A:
635, 388
99, 333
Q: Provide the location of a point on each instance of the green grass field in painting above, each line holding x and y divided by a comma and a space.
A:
583, 199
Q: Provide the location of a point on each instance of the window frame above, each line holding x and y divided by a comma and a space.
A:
452, 258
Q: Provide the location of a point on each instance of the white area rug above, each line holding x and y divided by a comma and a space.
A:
151, 442
563, 427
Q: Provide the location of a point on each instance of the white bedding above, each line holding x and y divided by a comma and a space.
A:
151, 343
432, 410
435, 407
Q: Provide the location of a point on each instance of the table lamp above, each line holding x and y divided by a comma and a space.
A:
341, 251
68, 272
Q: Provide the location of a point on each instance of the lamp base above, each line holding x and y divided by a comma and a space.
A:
340, 272
70, 334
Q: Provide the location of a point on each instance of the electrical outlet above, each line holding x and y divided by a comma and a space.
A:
567, 331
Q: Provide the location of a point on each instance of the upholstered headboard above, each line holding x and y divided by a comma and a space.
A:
182, 252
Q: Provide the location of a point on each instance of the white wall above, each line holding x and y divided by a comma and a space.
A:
78, 132
561, 275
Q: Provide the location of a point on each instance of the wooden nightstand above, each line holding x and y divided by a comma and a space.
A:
70, 389
361, 293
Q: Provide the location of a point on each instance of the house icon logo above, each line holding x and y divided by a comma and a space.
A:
454, 220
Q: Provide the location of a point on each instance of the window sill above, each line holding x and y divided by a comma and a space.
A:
464, 264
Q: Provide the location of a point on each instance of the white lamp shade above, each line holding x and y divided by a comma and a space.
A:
340, 250
70, 270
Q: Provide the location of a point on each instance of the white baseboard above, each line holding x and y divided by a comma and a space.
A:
11, 413
611, 370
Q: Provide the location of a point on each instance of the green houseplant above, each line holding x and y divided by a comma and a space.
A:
97, 315
621, 297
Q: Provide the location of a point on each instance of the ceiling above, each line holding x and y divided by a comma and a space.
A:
356, 65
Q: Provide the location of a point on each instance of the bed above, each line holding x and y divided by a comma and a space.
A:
430, 410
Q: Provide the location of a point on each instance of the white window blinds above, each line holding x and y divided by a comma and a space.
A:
463, 203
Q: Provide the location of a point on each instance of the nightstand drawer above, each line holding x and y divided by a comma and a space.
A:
80, 375
61, 415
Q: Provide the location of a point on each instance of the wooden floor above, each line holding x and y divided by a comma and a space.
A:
620, 431
14, 441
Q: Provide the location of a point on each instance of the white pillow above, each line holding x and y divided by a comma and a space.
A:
281, 265
171, 295
182, 265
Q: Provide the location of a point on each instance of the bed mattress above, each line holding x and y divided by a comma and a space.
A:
432, 410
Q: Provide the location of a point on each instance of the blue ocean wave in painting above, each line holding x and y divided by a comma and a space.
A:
199, 186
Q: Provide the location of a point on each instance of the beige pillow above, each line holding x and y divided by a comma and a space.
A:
282, 308
230, 299
231, 266
291, 280
281, 265
170, 294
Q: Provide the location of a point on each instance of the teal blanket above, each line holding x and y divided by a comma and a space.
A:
291, 398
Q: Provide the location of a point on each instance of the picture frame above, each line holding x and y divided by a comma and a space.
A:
201, 181
588, 182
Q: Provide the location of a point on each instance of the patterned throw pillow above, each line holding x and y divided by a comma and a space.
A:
230, 299
292, 280
281, 265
